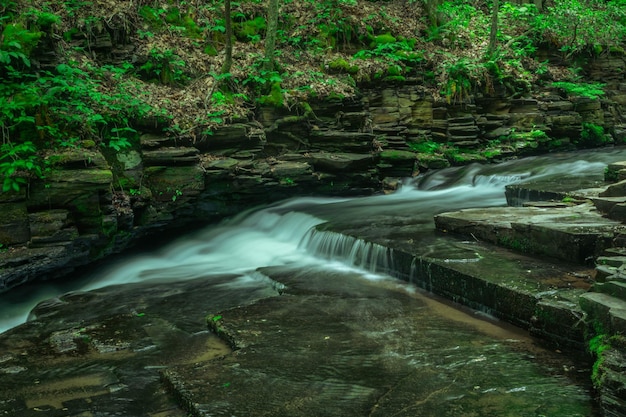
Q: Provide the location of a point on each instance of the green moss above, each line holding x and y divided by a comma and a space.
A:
151, 16
394, 70
397, 155
610, 175
340, 65
274, 98
518, 244
427, 147
45, 20
382, 40
597, 346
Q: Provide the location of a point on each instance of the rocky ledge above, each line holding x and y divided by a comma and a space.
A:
580, 226
113, 348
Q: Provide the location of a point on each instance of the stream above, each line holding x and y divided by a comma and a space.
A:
283, 234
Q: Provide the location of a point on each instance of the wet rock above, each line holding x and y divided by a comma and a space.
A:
574, 233
104, 350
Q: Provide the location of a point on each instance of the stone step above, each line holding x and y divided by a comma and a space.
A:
615, 289
606, 204
616, 251
615, 261
604, 271
608, 310
575, 233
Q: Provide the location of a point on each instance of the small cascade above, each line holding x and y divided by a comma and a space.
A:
499, 179
349, 250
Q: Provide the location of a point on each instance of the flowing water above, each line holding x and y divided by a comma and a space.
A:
284, 234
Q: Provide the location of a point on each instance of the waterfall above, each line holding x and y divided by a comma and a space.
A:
290, 232
350, 250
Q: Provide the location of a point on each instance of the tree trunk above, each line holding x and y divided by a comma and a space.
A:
270, 36
431, 10
494, 27
228, 58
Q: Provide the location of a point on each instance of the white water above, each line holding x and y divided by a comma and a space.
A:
284, 233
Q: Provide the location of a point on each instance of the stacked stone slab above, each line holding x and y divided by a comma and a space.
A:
605, 304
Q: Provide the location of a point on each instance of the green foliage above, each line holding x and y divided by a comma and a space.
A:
171, 18
464, 24
58, 109
17, 162
382, 40
332, 27
589, 90
250, 30
165, 67
458, 79
17, 43
592, 135
597, 345
576, 26
428, 147
399, 53
43, 20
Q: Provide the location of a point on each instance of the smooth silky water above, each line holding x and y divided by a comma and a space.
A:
474, 356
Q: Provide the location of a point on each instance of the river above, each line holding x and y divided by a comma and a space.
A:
283, 234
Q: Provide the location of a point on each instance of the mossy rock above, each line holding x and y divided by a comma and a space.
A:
383, 39
274, 98
396, 155
340, 65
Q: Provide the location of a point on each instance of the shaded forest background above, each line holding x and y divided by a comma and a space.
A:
93, 73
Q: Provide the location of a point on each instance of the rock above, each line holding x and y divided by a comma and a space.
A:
608, 310
228, 164
573, 234
51, 227
293, 171
129, 160
14, 228
337, 162
337, 141
171, 156
617, 189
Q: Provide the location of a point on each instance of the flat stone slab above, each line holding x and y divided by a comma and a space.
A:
577, 233
337, 345
100, 353
540, 295
609, 310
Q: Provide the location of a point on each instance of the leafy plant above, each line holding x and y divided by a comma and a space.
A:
17, 163
592, 135
392, 50
589, 90
165, 66
576, 26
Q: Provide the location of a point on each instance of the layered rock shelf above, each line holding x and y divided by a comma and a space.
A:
356, 146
